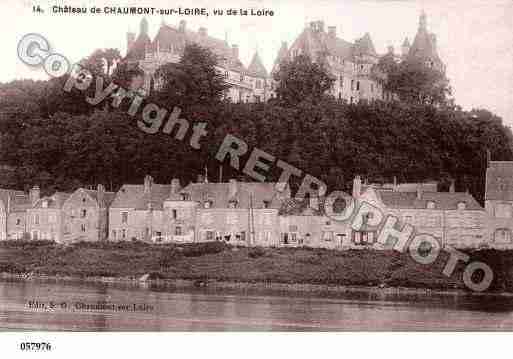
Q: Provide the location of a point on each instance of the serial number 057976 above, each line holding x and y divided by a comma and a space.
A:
32, 346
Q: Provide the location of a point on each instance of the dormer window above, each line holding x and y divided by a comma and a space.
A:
185, 196
462, 205
207, 204
45, 204
266, 204
431, 205
232, 203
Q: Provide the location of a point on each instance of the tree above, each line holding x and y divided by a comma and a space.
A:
301, 79
414, 82
193, 81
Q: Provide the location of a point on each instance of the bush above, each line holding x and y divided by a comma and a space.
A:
168, 257
26, 243
256, 252
200, 249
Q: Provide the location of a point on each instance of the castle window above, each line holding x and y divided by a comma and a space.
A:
209, 235
357, 85
178, 231
372, 87
266, 204
185, 197
339, 95
352, 85
36, 219
431, 205
175, 214
207, 204
83, 227
341, 80
226, 74
83, 213
18, 221
123, 233
241, 77
232, 203
124, 217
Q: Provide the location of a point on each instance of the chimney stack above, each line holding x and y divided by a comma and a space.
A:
452, 187
332, 31
232, 189
34, 194
419, 191
148, 181
175, 185
100, 190
357, 186
182, 26
235, 51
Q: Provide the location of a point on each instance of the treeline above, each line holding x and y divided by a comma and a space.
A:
56, 140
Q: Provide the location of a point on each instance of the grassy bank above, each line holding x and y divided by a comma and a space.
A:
217, 261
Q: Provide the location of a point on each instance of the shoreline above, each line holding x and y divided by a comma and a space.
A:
299, 289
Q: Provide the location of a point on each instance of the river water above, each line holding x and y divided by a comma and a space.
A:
44, 305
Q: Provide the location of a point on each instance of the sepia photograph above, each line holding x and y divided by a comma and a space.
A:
254, 166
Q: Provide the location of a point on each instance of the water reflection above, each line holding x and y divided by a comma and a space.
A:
160, 308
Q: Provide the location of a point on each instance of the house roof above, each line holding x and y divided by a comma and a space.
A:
133, 196
17, 200
55, 201
499, 181
222, 193
442, 200
108, 197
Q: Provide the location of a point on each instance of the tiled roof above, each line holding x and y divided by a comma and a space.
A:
442, 200
282, 53
18, 200
54, 201
169, 37
108, 197
220, 194
364, 46
256, 68
138, 49
133, 196
499, 181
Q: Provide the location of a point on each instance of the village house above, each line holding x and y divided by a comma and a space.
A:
240, 213
499, 203
303, 222
45, 218
85, 215
455, 218
13, 209
136, 213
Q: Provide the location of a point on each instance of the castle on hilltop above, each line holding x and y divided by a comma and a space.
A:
352, 65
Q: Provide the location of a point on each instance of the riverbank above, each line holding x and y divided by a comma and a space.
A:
216, 265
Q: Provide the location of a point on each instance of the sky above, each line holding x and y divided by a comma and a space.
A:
475, 37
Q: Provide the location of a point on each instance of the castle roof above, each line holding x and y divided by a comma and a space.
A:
256, 68
424, 44
138, 49
169, 37
499, 181
108, 197
282, 53
364, 46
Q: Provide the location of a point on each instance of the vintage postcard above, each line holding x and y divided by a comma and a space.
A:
255, 166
